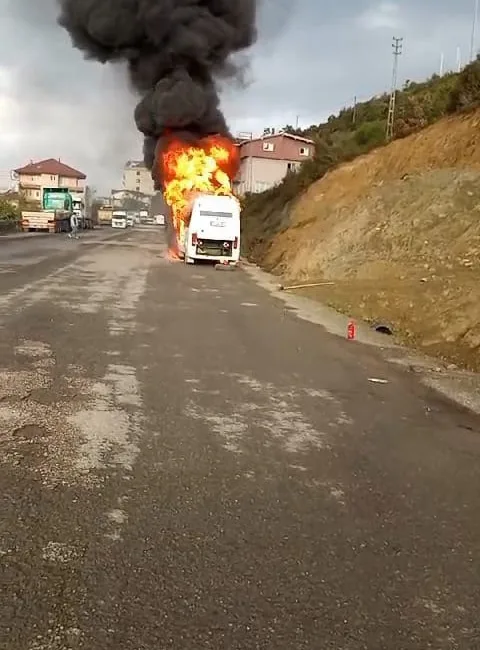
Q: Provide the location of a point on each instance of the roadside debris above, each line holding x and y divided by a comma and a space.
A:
225, 267
305, 286
351, 331
383, 329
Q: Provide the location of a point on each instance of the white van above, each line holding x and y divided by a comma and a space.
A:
119, 219
213, 231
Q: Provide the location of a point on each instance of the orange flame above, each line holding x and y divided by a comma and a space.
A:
208, 167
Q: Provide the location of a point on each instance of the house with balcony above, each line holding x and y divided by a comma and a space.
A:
265, 161
32, 178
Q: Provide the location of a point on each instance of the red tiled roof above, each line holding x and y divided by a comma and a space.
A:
52, 167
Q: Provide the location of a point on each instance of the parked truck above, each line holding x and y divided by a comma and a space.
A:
57, 206
85, 222
54, 216
104, 216
45, 220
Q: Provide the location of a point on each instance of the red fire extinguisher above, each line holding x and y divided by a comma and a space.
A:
351, 330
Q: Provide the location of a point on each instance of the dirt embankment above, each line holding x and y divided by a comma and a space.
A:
398, 232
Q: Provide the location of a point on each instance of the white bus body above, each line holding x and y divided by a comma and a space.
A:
213, 232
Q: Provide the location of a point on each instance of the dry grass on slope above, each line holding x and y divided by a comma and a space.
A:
450, 143
399, 233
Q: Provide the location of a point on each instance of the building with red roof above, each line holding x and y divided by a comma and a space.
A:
34, 176
265, 161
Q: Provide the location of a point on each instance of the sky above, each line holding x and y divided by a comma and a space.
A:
311, 59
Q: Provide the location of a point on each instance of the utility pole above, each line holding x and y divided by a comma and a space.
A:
459, 60
442, 64
354, 116
397, 46
473, 53
249, 180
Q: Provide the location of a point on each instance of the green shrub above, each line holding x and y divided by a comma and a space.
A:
8, 211
371, 133
466, 92
357, 130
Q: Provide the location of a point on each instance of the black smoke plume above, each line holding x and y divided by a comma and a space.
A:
175, 50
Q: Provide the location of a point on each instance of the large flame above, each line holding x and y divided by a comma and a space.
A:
208, 167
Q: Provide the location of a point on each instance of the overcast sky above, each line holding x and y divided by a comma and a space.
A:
311, 59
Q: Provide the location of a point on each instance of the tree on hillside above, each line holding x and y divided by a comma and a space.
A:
8, 210
352, 133
370, 133
411, 115
466, 93
288, 128
131, 204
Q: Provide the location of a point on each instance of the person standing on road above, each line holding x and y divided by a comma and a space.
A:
74, 226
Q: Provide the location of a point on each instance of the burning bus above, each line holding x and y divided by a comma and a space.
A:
197, 181
212, 230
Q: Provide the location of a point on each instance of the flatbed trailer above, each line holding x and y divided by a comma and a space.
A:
52, 221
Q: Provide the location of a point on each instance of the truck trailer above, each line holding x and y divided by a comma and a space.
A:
104, 215
57, 205
54, 215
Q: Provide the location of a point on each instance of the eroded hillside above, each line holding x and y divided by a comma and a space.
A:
398, 231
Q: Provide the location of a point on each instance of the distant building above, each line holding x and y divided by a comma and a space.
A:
48, 173
120, 198
137, 178
103, 200
265, 161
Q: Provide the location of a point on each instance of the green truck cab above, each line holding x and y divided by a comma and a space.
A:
63, 202
57, 198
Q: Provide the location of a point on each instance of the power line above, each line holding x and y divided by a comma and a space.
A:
397, 48
473, 53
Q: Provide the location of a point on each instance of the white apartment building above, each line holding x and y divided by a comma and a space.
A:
137, 178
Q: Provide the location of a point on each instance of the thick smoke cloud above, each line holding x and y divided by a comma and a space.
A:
174, 49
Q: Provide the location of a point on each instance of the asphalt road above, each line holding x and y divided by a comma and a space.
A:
185, 464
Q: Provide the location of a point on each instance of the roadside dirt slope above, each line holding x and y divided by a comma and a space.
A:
398, 231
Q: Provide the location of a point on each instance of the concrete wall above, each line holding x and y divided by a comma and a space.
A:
260, 174
266, 161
